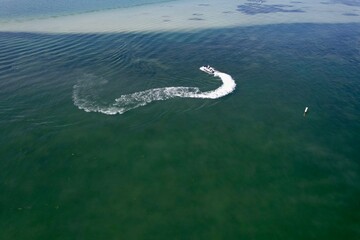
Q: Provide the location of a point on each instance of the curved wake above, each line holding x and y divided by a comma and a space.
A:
127, 102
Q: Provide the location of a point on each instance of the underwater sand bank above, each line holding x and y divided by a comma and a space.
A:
189, 15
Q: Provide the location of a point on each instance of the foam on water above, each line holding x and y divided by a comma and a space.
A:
85, 95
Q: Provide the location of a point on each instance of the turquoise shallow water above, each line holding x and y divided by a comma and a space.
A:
25, 9
246, 166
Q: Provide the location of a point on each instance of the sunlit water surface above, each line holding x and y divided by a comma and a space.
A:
248, 165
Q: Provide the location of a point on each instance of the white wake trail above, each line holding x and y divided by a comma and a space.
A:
127, 102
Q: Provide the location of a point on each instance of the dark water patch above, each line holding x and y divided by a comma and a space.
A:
354, 3
196, 19
257, 1
255, 8
203, 4
350, 14
166, 18
197, 14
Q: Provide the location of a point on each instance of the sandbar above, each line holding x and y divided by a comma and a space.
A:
190, 15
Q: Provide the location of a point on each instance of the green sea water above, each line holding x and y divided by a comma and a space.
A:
245, 166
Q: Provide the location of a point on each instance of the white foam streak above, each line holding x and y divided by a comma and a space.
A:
134, 100
227, 87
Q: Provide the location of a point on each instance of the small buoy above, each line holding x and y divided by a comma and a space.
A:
306, 110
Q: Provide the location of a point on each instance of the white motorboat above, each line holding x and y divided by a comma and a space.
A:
306, 111
208, 69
